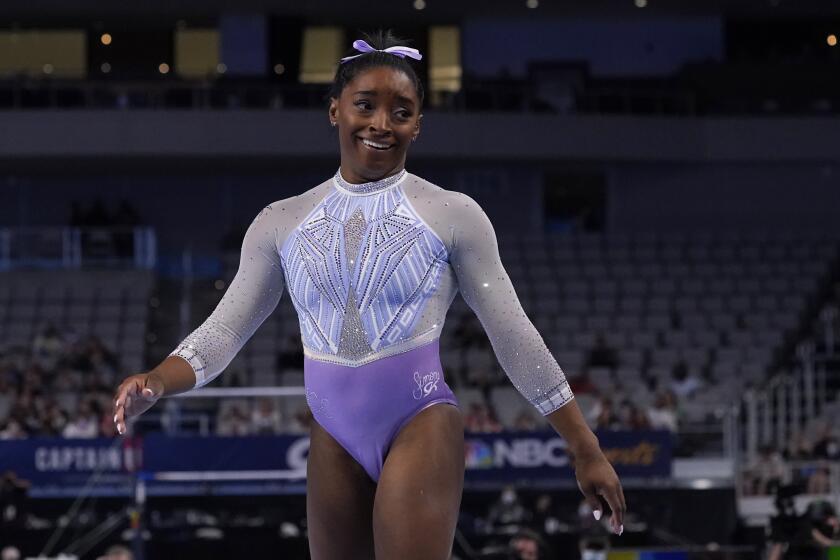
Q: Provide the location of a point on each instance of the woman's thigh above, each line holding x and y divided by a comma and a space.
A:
339, 501
419, 491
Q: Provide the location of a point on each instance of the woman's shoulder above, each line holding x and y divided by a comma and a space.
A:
296, 206
424, 189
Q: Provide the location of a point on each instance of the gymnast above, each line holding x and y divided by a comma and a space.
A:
372, 259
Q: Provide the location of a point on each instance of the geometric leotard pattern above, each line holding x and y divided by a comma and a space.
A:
371, 270
360, 270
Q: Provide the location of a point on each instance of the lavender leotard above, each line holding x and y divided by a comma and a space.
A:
372, 269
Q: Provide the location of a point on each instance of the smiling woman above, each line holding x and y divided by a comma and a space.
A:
375, 102
372, 259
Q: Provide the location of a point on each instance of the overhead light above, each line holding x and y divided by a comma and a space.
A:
106, 68
533, 4
48, 68
279, 69
163, 68
419, 4
105, 39
641, 3
832, 40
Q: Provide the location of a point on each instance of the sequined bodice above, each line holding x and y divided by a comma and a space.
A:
360, 268
372, 270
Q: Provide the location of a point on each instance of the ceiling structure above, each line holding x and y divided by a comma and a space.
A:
377, 12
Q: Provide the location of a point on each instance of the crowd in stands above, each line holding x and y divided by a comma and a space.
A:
612, 409
62, 386
524, 526
805, 463
59, 386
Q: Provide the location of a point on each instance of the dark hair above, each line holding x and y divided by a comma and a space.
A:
378, 40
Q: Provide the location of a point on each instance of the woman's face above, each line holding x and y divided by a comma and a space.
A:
378, 106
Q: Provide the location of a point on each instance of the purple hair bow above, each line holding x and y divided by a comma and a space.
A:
364, 48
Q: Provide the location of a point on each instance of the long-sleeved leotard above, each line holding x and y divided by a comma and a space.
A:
372, 270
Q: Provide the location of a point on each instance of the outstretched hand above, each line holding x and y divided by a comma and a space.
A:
135, 395
597, 479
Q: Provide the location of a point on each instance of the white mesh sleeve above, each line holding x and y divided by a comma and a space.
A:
487, 289
251, 297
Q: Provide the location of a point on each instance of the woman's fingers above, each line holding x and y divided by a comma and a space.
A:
119, 409
615, 498
123, 403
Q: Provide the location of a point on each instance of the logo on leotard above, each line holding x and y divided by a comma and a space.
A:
425, 384
318, 406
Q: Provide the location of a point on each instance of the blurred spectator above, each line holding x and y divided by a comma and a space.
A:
544, 517
525, 421
527, 545
824, 525
766, 472
12, 429
480, 419
607, 418
507, 510
826, 444
54, 419
97, 216
85, 424
663, 413
632, 417
126, 215
581, 384
265, 418
48, 347
13, 500
117, 552
819, 479
601, 354
233, 422
594, 543
798, 448
683, 383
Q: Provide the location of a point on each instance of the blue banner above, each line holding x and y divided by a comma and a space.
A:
61, 467
542, 456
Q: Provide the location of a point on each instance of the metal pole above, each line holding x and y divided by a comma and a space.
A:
766, 411
752, 424
805, 353
810, 397
822, 389
186, 295
828, 316
796, 405
781, 413
137, 544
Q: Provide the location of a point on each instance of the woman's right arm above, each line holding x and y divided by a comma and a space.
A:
251, 297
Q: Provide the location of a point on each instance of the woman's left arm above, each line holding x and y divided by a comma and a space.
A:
595, 475
522, 353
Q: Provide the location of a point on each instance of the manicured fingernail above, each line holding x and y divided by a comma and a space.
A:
620, 530
147, 392
115, 419
119, 429
597, 514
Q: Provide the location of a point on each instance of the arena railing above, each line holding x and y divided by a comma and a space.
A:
72, 247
